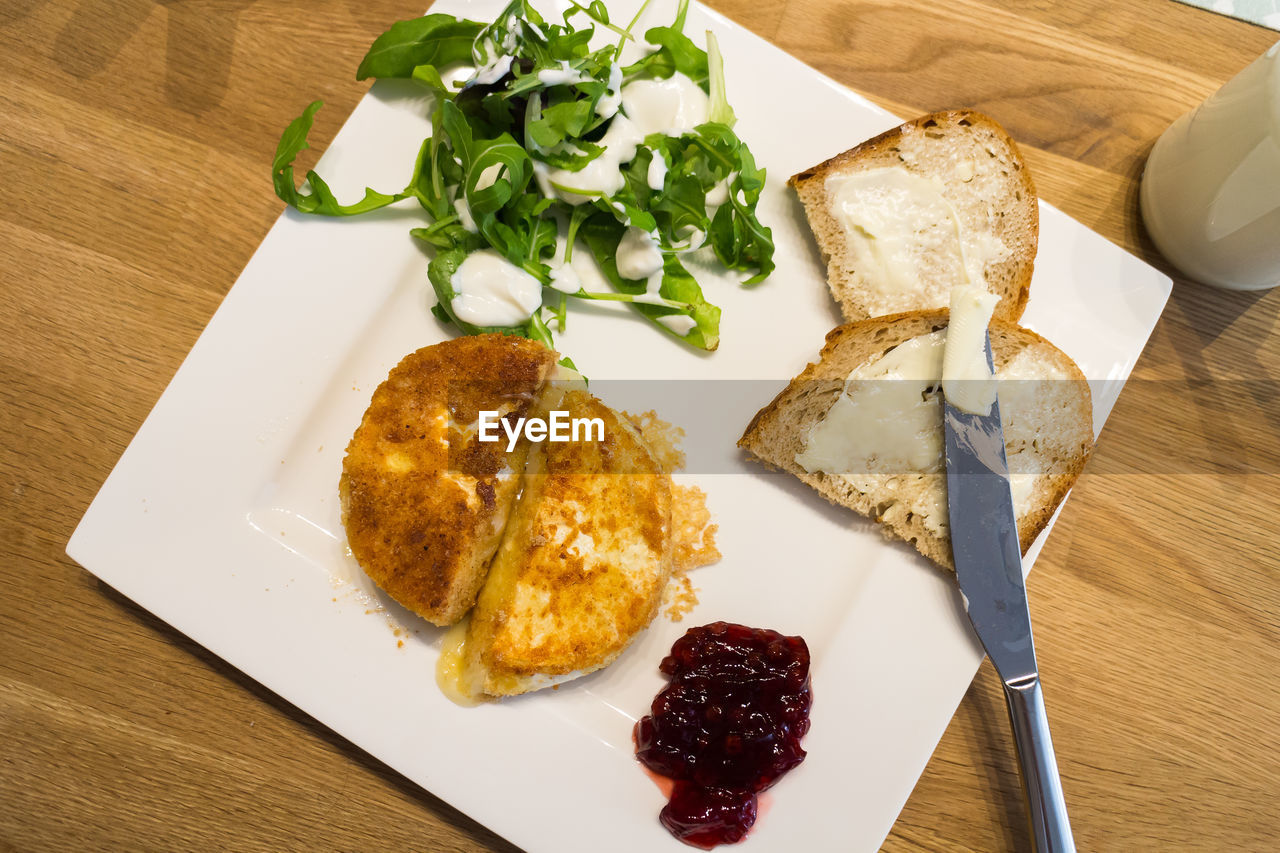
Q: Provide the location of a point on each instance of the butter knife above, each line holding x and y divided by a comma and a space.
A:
988, 560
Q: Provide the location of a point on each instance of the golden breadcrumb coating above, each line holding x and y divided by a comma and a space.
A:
424, 501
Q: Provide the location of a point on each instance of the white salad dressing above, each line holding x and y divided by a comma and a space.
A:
564, 274
609, 102
565, 278
657, 177
465, 219
543, 179
639, 255
515, 31
460, 207
670, 106
493, 72
558, 148
562, 76
719, 193
681, 324
602, 176
694, 239
491, 291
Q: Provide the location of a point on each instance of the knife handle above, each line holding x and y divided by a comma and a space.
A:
1050, 828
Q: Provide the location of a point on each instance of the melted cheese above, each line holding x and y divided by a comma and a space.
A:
450, 667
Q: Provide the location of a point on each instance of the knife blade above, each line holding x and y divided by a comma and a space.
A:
988, 561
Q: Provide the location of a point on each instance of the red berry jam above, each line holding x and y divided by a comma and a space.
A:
726, 727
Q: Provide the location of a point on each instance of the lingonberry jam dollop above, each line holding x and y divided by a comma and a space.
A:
726, 727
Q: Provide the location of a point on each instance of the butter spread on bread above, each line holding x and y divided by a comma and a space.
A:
966, 377
905, 238
941, 201
885, 420
885, 461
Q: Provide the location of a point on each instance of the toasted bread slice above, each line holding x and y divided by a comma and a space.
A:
424, 502
583, 564
1045, 406
988, 207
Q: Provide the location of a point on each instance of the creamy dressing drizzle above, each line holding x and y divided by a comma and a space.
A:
639, 255
719, 194
657, 174
493, 72
465, 219
609, 102
562, 76
681, 324
565, 278
671, 107
491, 291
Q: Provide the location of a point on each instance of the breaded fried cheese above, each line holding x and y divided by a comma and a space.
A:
582, 566
424, 502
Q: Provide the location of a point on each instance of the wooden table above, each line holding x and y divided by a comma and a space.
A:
134, 142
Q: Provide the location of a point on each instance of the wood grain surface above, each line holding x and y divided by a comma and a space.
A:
134, 142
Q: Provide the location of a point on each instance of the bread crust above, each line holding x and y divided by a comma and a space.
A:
779, 431
1002, 198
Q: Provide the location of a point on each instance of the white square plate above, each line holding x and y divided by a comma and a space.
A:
222, 519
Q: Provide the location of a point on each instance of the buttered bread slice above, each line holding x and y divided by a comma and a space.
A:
583, 564
424, 502
863, 425
938, 202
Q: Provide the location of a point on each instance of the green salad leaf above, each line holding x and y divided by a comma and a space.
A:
432, 40
719, 111
537, 153
320, 200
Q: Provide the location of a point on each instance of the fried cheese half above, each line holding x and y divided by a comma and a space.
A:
424, 502
582, 566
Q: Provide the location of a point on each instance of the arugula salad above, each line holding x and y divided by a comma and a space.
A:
550, 149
